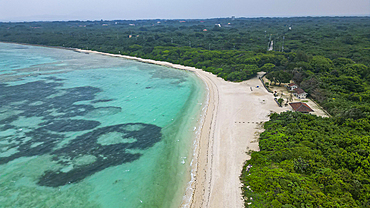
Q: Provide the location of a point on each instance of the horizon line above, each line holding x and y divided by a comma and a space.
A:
210, 18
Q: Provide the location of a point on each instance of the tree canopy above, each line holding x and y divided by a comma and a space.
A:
309, 161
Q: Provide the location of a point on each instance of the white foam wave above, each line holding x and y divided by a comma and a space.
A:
186, 199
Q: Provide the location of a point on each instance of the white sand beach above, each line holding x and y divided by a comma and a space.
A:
234, 116
231, 126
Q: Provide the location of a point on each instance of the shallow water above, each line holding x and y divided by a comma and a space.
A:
86, 130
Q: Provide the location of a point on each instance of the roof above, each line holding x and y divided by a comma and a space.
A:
301, 107
292, 84
299, 91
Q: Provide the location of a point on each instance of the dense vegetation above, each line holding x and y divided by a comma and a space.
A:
305, 161
332, 37
234, 49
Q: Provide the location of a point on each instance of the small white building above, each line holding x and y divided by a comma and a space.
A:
299, 93
292, 86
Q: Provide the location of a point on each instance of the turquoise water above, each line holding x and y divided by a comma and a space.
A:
86, 130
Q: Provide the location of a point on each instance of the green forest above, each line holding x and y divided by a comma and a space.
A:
304, 160
309, 161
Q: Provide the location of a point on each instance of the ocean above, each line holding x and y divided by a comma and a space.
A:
87, 130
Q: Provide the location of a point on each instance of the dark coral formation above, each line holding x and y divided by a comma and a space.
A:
55, 107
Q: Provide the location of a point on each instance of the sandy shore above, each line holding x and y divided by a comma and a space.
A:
232, 120
234, 116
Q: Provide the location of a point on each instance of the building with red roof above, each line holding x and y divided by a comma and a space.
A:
301, 107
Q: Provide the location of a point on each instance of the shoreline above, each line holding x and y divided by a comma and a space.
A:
232, 118
189, 188
225, 135
233, 113
200, 144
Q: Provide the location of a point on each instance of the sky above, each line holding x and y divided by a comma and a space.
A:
51, 10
